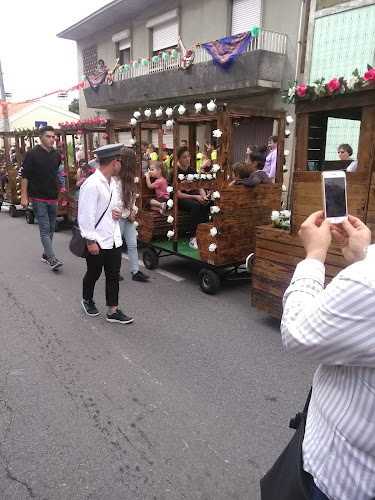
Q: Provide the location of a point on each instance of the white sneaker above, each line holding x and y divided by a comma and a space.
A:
193, 243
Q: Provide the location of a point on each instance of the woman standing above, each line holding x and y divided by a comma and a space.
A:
126, 190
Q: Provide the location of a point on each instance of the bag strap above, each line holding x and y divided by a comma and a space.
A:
97, 224
295, 422
306, 407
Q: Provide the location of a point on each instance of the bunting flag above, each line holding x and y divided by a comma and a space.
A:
6, 104
97, 79
226, 50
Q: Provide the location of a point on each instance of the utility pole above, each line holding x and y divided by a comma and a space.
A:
3, 98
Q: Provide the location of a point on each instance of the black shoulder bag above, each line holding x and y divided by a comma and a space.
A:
78, 244
286, 480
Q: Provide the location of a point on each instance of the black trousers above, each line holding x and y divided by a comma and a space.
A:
198, 213
111, 261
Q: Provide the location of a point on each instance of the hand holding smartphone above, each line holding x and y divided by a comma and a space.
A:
334, 196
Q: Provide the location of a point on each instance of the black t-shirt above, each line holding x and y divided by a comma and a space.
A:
40, 169
190, 170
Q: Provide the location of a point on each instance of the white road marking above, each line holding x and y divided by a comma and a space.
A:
167, 274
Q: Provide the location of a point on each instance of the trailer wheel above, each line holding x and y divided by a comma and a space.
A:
209, 281
13, 212
29, 216
150, 258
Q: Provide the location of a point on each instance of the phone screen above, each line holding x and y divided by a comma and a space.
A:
335, 196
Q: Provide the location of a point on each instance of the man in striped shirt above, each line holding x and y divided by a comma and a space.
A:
335, 326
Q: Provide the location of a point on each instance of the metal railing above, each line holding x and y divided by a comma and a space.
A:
266, 40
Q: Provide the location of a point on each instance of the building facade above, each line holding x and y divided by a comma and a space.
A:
136, 30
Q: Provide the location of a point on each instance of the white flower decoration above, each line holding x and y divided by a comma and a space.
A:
286, 152
158, 112
215, 195
283, 188
136, 224
289, 119
217, 133
213, 231
169, 123
133, 122
287, 132
170, 219
136, 114
214, 210
196, 177
170, 234
132, 142
285, 213
212, 247
203, 177
215, 168
275, 215
169, 111
198, 107
209, 177
181, 177
147, 113
137, 234
351, 81
169, 189
170, 203
214, 175
136, 180
211, 106
181, 109
292, 91
190, 177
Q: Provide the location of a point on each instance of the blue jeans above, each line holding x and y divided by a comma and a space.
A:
129, 233
46, 213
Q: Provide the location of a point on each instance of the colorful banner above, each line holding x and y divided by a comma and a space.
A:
5, 104
226, 50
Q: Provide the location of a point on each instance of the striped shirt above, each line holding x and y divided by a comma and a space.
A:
335, 326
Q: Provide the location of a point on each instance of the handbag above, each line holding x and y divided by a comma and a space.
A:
78, 244
286, 480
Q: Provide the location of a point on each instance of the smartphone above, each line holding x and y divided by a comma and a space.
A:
334, 196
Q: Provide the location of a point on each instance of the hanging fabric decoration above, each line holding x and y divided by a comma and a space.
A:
187, 55
96, 80
226, 50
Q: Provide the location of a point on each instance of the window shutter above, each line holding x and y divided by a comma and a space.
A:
124, 138
165, 35
167, 139
124, 44
245, 14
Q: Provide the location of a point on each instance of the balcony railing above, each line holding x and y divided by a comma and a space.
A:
266, 40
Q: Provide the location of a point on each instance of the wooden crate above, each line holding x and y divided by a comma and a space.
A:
277, 254
154, 226
13, 187
241, 210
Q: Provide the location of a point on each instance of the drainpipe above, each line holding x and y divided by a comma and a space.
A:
299, 41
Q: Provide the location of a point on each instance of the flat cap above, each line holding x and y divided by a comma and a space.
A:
108, 151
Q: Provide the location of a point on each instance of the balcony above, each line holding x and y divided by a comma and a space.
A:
257, 70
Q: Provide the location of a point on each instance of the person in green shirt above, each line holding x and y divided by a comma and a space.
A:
153, 154
198, 158
166, 158
211, 148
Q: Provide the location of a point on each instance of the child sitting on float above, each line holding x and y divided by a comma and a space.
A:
158, 172
250, 174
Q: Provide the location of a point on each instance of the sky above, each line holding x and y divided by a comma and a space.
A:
34, 61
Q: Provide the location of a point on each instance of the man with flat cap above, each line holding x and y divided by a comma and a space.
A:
98, 220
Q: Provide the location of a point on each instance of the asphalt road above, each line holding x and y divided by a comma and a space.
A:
191, 401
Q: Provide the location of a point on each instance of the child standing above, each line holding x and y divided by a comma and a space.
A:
158, 172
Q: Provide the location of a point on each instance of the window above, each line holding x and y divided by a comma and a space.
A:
124, 51
165, 36
245, 14
90, 60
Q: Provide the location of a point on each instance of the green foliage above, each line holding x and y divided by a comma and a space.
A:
74, 106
